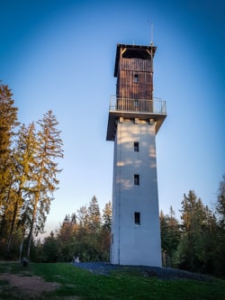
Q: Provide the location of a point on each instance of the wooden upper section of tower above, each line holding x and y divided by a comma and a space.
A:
134, 71
134, 88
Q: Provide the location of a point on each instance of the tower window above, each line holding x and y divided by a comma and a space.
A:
136, 78
136, 179
137, 218
136, 146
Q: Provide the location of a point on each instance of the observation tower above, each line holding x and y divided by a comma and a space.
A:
134, 119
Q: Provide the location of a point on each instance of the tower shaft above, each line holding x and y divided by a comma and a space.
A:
134, 119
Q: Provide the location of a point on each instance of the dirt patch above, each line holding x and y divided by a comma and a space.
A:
32, 285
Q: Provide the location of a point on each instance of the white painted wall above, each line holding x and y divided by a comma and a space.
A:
135, 244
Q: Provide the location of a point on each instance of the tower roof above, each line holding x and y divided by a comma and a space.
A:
133, 51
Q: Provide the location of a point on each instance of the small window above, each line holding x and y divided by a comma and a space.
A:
136, 78
136, 179
137, 218
136, 146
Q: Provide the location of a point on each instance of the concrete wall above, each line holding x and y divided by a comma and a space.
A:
134, 244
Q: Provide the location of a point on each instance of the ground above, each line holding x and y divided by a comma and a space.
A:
32, 285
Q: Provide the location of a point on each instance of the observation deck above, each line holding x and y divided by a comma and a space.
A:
127, 108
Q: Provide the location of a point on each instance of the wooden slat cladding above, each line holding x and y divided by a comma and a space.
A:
137, 64
134, 77
128, 88
134, 92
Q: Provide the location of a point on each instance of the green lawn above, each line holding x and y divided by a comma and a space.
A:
75, 283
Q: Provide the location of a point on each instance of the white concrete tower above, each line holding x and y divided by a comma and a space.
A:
134, 119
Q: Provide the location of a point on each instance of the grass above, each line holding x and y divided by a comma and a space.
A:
75, 283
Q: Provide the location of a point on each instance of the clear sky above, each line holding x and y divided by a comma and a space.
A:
60, 55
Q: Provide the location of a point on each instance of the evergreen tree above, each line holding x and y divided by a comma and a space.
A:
194, 227
107, 216
220, 238
45, 174
170, 235
82, 215
73, 219
8, 122
220, 207
106, 231
206, 245
94, 216
23, 155
50, 250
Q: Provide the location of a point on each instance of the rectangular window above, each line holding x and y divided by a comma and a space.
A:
136, 78
137, 218
136, 146
136, 179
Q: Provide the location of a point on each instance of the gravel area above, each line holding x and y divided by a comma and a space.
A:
161, 273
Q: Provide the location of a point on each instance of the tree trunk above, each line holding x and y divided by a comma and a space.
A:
32, 226
11, 229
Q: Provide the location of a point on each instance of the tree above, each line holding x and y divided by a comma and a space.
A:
94, 216
220, 206
106, 231
197, 221
107, 216
23, 156
8, 123
190, 229
207, 244
170, 235
89, 231
82, 234
82, 215
220, 237
44, 180
50, 249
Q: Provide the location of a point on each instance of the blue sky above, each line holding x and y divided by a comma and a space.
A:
60, 55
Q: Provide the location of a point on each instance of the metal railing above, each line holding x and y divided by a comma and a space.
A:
156, 106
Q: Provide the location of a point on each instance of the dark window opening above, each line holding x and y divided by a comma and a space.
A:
136, 146
136, 78
136, 53
136, 179
137, 218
